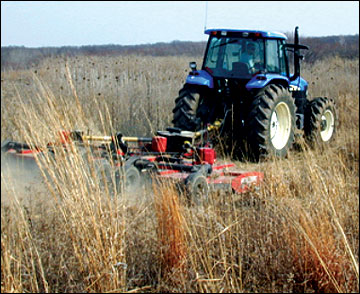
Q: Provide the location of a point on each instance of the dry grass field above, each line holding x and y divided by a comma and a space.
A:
61, 232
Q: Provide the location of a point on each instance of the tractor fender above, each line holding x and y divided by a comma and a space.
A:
299, 84
260, 81
201, 78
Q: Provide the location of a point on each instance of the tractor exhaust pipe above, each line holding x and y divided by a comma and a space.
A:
297, 54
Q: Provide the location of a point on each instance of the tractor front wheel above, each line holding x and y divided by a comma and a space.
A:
320, 121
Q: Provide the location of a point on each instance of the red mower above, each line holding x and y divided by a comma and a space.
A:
170, 155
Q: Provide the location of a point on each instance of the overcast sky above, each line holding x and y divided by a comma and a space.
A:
77, 23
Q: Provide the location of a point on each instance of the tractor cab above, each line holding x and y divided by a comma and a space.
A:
248, 57
242, 54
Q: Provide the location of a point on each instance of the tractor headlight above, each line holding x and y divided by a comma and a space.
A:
192, 65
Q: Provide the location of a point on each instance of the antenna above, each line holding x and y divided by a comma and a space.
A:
206, 10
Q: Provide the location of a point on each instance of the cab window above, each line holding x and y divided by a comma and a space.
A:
275, 57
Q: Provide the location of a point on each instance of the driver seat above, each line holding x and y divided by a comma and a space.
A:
240, 68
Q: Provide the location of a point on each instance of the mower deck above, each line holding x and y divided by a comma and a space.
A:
169, 157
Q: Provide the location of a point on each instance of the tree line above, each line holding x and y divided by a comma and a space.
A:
20, 57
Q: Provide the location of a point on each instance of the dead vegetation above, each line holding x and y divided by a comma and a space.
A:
298, 233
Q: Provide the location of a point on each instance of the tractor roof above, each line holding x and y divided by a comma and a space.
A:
244, 33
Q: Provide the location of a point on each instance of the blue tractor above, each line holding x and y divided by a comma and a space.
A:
246, 88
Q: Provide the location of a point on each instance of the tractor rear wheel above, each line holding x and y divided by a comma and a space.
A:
320, 121
271, 122
186, 105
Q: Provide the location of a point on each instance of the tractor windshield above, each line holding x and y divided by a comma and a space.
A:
234, 57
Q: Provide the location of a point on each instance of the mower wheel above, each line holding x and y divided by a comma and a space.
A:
197, 188
132, 177
105, 175
320, 121
128, 178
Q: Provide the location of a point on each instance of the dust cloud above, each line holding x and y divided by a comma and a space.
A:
20, 177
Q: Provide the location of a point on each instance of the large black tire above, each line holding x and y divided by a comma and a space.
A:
186, 105
320, 121
271, 123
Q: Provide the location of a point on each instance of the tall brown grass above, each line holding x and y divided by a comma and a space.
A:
171, 235
298, 233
